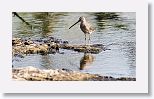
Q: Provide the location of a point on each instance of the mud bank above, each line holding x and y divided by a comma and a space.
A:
34, 74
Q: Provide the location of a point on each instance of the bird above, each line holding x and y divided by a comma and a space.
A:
85, 27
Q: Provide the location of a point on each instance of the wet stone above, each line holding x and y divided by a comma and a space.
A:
51, 46
84, 48
33, 74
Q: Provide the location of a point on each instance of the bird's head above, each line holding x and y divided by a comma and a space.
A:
81, 19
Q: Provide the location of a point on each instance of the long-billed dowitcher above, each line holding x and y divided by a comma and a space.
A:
85, 27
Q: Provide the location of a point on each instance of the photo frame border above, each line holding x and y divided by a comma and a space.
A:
138, 86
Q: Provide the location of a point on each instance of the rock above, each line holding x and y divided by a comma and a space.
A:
16, 41
84, 48
51, 46
33, 74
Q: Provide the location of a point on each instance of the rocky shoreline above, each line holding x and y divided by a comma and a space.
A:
50, 46
34, 74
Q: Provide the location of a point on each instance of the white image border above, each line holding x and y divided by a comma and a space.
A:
10, 86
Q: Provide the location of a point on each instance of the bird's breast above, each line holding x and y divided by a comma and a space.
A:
86, 28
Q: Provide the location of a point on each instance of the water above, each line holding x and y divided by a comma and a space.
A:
117, 31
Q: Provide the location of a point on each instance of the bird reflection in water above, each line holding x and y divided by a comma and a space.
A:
86, 61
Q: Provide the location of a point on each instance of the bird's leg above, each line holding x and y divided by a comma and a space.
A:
89, 40
85, 38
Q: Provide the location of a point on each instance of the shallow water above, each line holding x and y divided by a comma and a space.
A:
117, 31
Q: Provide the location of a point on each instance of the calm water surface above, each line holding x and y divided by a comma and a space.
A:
117, 31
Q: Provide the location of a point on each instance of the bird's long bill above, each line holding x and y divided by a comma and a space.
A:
74, 24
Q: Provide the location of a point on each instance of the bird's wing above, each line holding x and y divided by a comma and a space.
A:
90, 27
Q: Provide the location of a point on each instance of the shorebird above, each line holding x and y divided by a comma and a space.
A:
85, 27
